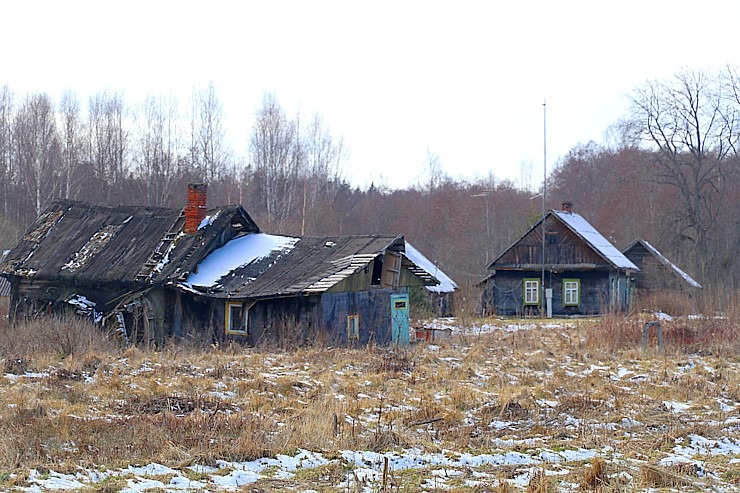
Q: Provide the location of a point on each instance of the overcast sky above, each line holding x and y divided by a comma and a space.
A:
465, 81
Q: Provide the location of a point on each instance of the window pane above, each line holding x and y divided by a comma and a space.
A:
570, 292
531, 292
236, 317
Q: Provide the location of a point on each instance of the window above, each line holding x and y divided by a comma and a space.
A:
571, 292
353, 327
236, 318
531, 292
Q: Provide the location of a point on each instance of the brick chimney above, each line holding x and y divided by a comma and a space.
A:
195, 210
568, 207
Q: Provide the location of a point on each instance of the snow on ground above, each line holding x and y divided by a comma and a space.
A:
363, 468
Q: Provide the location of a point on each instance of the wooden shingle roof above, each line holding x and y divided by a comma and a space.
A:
304, 266
91, 243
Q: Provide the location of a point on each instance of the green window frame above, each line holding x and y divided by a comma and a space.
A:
531, 291
571, 292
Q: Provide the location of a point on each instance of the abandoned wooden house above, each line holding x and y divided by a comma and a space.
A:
153, 273
657, 273
561, 266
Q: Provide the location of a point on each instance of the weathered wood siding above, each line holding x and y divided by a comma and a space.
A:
562, 247
373, 309
504, 293
654, 275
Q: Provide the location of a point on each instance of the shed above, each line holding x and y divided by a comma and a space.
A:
657, 273
560, 266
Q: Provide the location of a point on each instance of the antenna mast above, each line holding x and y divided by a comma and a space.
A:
544, 194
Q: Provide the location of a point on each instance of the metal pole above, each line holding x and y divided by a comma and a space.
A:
544, 193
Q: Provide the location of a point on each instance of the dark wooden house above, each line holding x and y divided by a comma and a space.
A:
153, 273
561, 266
657, 273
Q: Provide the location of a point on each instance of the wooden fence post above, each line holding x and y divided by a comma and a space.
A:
658, 330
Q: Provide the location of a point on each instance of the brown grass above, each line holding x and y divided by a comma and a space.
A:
661, 477
90, 403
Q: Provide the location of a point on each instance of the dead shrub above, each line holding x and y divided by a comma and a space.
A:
675, 303
540, 483
576, 403
595, 475
395, 362
661, 477
16, 365
55, 337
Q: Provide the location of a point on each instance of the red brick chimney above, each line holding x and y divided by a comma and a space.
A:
195, 210
568, 207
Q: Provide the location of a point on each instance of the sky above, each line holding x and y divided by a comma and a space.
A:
398, 81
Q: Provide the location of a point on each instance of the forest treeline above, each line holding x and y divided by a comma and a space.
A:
671, 175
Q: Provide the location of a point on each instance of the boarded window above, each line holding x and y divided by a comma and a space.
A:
571, 292
353, 327
531, 291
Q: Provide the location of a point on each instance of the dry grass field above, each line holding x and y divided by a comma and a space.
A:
499, 406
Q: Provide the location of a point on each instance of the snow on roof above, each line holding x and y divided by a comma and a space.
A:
584, 229
446, 284
236, 253
670, 264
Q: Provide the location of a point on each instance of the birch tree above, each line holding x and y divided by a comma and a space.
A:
274, 154
208, 152
6, 145
37, 150
158, 159
71, 130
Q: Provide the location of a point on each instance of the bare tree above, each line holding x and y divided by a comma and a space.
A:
431, 174
108, 142
274, 154
159, 139
37, 150
321, 172
72, 145
6, 145
682, 119
208, 152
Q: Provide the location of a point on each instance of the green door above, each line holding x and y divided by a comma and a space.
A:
400, 319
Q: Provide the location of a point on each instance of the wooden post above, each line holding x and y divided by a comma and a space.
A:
658, 330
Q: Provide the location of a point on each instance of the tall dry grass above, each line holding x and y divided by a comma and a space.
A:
81, 400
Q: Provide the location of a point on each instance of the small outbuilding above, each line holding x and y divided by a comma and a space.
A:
657, 273
560, 266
